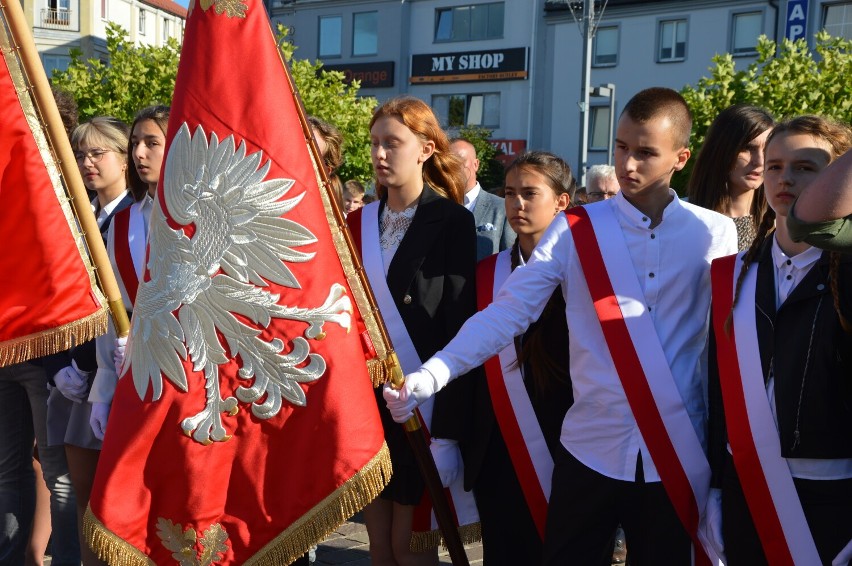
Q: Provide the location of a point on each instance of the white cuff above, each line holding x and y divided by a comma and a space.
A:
439, 370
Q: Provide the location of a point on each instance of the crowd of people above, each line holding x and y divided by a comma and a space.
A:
591, 364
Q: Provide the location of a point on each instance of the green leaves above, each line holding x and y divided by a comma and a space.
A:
134, 77
787, 79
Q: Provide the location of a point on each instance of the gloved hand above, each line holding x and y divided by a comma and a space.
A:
98, 418
447, 458
711, 525
118, 353
419, 387
72, 382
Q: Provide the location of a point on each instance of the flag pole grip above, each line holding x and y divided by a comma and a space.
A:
58, 140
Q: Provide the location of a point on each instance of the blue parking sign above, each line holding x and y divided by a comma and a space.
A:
797, 19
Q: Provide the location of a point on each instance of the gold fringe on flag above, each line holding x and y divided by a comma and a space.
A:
109, 547
313, 526
421, 542
53, 340
328, 515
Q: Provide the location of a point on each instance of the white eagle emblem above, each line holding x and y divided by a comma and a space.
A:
198, 284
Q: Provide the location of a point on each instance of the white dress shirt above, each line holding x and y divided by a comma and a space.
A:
672, 263
470, 197
108, 207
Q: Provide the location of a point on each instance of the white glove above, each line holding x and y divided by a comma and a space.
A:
711, 526
118, 353
419, 387
98, 418
447, 458
72, 382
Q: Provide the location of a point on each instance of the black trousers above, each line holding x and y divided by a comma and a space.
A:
509, 535
586, 507
828, 511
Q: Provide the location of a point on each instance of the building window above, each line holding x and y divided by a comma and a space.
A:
457, 110
165, 29
365, 33
605, 50
104, 12
142, 21
55, 62
746, 29
672, 41
837, 20
466, 23
599, 127
330, 31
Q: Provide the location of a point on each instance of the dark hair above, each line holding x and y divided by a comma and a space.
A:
534, 350
160, 115
443, 170
551, 166
657, 101
839, 138
729, 134
68, 110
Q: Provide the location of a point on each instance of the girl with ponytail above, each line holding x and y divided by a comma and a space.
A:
781, 335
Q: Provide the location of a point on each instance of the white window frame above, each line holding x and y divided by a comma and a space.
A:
677, 21
142, 21
595, 62
457, 11
732, 49
847, 12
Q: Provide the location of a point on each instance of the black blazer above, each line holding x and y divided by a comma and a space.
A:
431, 279
811, 357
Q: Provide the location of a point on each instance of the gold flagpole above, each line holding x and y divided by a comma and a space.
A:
443, 514
58, 139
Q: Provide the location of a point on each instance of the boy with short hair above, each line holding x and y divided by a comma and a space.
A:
353, 196
634, 271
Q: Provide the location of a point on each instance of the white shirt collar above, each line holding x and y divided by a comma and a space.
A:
108, 207
636, 216
470, 197
803, 260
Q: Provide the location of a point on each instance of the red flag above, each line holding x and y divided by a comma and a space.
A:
246, 427
48, 297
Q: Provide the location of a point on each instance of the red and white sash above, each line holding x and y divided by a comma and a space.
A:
128, 240
637, 354
515, 415
764, 474
461, 501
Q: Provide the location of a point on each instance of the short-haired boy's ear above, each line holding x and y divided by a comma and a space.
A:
682, 158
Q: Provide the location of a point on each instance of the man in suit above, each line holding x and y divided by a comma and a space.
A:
493, 233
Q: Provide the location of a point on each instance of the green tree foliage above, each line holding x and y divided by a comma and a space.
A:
491, 171
326, 95
135, 77
787, 79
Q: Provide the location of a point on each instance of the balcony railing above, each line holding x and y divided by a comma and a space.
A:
61, 18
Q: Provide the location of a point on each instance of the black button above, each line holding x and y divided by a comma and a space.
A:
649, 309
651, 275
789, 277
653, 236
789, 262
644, 219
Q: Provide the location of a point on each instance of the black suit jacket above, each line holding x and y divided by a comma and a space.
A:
431, 280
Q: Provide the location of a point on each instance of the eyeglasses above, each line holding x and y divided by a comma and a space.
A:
600, 195
94, 155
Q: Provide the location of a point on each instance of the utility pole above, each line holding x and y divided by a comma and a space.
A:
587, 25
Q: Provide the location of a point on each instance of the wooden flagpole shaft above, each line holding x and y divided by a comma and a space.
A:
58, 139
413, 430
